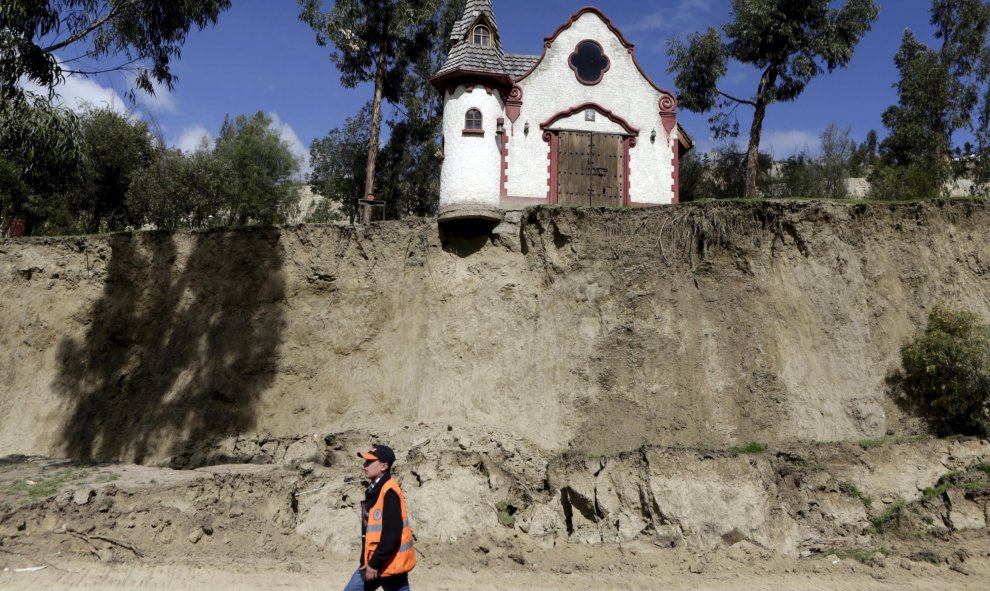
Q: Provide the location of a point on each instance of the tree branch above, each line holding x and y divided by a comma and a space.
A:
114, 11
738, 100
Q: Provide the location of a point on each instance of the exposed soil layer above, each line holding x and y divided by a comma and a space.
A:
905, 515
591, 330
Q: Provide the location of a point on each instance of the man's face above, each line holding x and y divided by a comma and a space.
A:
374, 468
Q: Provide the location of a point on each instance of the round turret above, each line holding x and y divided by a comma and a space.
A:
473, 131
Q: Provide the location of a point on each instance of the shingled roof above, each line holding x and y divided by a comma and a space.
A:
482, 60
472, 10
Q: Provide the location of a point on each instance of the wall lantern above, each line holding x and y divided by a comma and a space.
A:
653, 136
500, 126
526, 129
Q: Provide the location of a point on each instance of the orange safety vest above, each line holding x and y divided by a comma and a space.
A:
404, 559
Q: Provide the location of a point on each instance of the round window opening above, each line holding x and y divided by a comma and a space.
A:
589, 62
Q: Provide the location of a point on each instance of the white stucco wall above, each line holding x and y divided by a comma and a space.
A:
472, 167
552, 88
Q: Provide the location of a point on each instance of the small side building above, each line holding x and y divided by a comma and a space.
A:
581, 124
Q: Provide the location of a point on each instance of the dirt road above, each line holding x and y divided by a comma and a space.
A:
79, 575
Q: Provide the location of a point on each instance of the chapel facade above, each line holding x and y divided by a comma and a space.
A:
581, 124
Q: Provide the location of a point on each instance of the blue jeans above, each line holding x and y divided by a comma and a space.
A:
396, 583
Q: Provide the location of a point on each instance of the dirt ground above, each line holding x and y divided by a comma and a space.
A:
618, 569
69, 525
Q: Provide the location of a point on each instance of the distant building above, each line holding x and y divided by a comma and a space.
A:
11, 228
581, 124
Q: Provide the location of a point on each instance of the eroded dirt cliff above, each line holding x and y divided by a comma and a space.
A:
597, 331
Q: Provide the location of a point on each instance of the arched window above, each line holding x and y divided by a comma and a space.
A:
482, 36
473, 121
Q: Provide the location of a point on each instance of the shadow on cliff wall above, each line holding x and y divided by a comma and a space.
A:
174, 354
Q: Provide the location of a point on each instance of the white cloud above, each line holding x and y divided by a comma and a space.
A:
782, 144
290, 137
192, 138
162, 101
686, 16
77, 92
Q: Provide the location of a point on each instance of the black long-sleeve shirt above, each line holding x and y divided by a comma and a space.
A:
391, 523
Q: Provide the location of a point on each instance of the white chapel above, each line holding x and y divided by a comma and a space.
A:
581, 124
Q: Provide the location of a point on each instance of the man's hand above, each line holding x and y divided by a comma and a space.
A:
370, 574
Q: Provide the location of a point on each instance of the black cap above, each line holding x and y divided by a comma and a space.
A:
382, 453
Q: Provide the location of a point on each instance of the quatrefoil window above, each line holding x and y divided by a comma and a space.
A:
589, 62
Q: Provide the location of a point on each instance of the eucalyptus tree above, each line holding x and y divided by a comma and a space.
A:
40, 38
41, 153
114, 148
410, 162
257, 171
373, 41
788, 42
940, 91
339, 162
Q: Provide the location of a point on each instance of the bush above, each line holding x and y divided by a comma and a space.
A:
947, 373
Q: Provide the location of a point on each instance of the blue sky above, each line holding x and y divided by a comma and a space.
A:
260, 57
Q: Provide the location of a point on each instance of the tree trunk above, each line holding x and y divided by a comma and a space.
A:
753, 153
376, 122
767, 82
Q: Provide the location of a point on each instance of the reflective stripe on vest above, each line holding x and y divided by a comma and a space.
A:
378, 526
404, 558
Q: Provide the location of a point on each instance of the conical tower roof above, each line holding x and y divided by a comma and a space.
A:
472, 10
465, 58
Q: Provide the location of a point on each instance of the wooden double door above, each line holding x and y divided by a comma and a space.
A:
591, 169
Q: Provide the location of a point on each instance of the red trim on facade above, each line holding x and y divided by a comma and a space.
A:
504, 177
474, 132
627, 145
576, 109
615, 31
668, 113
554, 156
513, 105
601, 49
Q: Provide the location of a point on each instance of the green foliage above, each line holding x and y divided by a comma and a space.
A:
176, 190
257, 168
890, 440
374, 41
41, 152
788, 42
339, 162
867, 556
246, 178
940, 91
114, 148
147, 35
408, 167
753, 448
850, 489
44, 487
720, 174
888, 517
506, 513
947, 372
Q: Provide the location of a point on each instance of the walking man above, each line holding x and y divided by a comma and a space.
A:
387, 553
